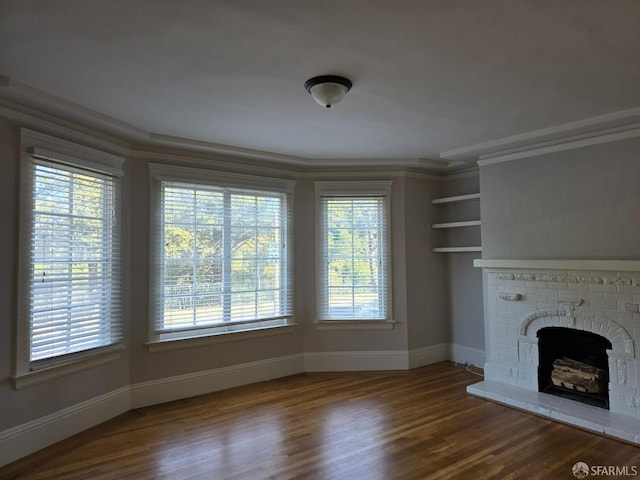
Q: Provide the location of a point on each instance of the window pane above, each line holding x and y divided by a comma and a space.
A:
354, 283
74, 262
228, 262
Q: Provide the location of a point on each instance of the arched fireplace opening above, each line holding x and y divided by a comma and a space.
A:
574, 364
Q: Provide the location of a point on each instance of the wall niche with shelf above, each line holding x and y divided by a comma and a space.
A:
460, 223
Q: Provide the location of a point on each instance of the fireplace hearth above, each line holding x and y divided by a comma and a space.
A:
538, 312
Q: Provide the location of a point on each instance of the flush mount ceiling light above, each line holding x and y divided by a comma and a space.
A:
328, 90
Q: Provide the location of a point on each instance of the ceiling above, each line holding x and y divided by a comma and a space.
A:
433, 80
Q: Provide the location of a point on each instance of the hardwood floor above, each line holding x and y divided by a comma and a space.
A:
357, 426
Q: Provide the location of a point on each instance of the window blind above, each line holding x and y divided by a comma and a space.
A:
354, 258
74, 278
224, 258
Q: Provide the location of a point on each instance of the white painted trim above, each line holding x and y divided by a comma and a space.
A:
463, 354
45, 146
210, 161
190, 342
198, 383
218, 148
469, 223
600, 265
355, 324
435, 165
22, 93
229, 163
364, 173
419, 357
567, 144
29, 437
62, 128
589, 127
356, 361
161, 172
445, 351
113, 167
381, 171
457, 198
353, 188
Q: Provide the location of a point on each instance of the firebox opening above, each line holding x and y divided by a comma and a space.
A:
581, 370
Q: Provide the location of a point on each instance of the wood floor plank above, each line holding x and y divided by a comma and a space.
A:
329, 426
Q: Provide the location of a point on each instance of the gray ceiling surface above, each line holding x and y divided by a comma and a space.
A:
429, 76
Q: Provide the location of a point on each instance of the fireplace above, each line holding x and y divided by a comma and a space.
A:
586, 311
562, 352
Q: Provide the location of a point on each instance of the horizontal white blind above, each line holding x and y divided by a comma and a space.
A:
74, 281
224, 257
354, 258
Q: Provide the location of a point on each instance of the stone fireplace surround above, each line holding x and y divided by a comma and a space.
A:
598, 296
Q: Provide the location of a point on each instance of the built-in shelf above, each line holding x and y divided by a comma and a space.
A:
468, 223
456, 249
457, 198
471, 223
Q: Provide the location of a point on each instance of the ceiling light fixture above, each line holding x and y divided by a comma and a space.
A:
328, 90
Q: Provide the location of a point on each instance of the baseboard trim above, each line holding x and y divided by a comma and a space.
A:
463, 354
22, 440
190, 385
419, 357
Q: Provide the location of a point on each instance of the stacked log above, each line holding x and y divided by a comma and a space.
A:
578, 376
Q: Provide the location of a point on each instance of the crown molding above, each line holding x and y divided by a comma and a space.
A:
200, 159
158, 139
612, 135
589, 128
433, 165
27, 117
231, 164
32, 100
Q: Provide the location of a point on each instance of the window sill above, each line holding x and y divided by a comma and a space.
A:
189, 342
34, 377
355, 324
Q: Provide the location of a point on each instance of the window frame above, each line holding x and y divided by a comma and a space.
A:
216, 333
68, 156
353, 189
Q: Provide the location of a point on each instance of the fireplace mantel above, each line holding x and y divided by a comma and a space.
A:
599, 265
